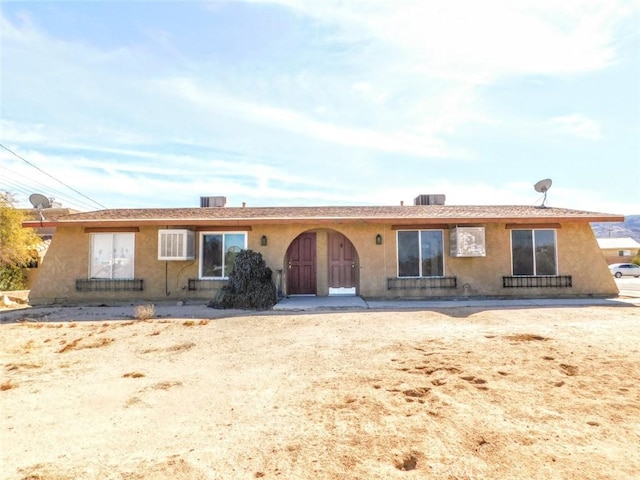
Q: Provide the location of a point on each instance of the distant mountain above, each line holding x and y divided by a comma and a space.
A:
629, 228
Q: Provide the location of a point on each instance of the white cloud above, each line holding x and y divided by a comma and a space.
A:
400, 141
577, 125
471, 41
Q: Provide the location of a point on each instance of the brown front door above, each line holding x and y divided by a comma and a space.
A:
301, 258
342, 262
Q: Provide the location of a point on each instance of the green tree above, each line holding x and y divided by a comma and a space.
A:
17, 245
636, 259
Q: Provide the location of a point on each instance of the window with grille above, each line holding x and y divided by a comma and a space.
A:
420, 253
112, 255
533, 252
218, 252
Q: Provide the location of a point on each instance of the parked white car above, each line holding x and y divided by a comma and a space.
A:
624, 269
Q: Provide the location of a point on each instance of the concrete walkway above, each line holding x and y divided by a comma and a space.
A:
313, 303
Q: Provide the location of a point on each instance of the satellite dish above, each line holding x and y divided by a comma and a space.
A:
39, 201
542, 187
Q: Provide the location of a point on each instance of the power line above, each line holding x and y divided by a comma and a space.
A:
18, 184
51, 176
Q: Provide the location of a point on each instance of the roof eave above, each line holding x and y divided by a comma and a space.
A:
318, 220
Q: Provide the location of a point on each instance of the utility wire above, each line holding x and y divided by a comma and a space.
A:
18, 181
51, 176
18, 184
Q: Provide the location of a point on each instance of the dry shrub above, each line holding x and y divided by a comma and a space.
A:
133, 375
8, 385
144, 312
72, 325
204, 321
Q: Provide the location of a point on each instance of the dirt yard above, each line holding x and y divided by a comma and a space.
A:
538, 393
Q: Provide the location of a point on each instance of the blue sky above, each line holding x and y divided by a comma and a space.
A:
291, 102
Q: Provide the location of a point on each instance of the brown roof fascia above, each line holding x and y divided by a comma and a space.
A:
223, 228
420, 226
111, 229
243, 223
547, 220
515, 226
38, 224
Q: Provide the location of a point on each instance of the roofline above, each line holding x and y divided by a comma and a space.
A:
317, 220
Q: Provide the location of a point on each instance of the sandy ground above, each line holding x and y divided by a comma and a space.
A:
466, 393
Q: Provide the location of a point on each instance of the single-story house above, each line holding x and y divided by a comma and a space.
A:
424, 250
38, 218
618, 250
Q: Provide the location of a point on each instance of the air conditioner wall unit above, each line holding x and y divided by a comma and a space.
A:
467, 242
176, 244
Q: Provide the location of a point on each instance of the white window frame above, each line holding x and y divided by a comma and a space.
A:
420, 275
533, 248
225, 275
110, 259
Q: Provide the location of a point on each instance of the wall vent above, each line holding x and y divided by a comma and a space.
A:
176, 245
437, 199
213, 202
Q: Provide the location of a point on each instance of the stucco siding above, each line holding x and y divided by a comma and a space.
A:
578, 255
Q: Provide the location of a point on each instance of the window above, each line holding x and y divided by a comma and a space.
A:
420, 253
112, 255
533, 252
624, 253
218, 251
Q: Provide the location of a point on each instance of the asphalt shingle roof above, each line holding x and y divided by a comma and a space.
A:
384, 214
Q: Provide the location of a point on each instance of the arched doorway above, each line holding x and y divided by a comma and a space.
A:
301, 265
343, 262
323, 262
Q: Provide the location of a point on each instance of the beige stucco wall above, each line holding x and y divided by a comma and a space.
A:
578, 255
